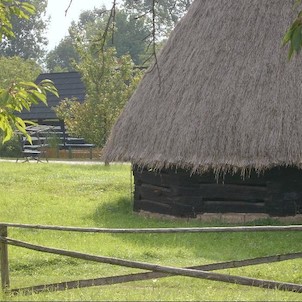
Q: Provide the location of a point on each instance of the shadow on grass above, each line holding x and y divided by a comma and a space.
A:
40, 264
215, 246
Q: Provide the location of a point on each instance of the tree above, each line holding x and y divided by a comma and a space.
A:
109, 83
161, 16
19, 95
129, 37
9, 8
16, 69
62, 57
29, 37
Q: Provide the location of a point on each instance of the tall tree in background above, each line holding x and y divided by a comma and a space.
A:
29, 35
160, 16
63, 56
130, 37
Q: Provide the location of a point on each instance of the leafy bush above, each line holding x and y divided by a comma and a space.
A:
11, 148
109, 82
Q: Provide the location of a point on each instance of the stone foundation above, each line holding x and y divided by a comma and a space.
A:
233, 218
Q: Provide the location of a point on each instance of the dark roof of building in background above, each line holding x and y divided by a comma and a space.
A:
69, 85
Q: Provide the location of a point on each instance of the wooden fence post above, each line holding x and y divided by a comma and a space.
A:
4, 260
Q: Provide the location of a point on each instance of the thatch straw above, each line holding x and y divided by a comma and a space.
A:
229, 98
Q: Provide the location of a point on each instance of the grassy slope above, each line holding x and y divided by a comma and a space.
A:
100, 196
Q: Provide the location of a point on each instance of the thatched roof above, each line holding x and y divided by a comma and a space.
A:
229, 98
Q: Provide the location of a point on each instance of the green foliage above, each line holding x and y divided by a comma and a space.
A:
15, 69
61, 58
17, 97
53, 140
9, 9
166, 14
11, 148
130, 37
109, 83
28, 39
293, 35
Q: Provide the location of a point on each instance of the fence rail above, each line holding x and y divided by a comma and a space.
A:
157, 230
157, 271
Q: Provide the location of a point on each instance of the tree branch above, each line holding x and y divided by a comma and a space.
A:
67, 9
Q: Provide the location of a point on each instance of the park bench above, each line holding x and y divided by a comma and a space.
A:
44, 136
36, 150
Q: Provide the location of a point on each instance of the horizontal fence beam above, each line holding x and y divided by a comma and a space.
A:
158, 230
61, 286
158, 268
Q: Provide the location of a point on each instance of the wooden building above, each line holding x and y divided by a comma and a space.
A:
68, 84
217, 126
277, 192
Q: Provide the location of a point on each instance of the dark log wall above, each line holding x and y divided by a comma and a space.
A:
277, 193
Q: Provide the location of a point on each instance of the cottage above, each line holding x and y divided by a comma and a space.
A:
217, 127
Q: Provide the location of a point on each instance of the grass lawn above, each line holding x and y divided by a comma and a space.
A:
99, 196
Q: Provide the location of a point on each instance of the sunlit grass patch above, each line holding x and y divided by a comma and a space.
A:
100, 196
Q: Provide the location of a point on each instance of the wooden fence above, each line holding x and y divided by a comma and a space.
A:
156, 271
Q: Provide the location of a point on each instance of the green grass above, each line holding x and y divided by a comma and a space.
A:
99, 196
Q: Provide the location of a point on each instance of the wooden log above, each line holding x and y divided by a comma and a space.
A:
149, 275
270, 228
233, 207
148, 178
165, 196
181, 177
158, 268
224, 191
151, 192
165, 179
171, 208
4, 260
151, 206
